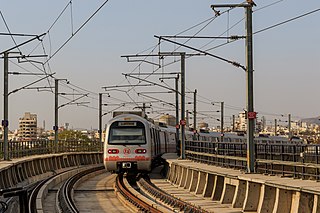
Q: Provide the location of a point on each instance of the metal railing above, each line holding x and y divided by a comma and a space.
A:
18, 149
286, 159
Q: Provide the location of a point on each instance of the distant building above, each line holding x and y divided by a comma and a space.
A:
203, 125
28, 127
242, 121
168, 119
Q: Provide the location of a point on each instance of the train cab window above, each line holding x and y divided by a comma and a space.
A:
132, 132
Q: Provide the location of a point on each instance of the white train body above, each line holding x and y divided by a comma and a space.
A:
132, 143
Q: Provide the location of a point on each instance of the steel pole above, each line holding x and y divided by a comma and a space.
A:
187, 118
100, 121
183, 154
250, 108
177, 113
195, 110
55, 127
5, 122
275, 127
222, 121
289, 126
233, 123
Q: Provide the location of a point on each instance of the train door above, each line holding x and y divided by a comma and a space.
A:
165, 141
152, 142
157, 139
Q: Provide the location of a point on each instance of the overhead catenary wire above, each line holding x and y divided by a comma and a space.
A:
69, 3
239, 108
8, 29
208, 20
287, 21
78, 30
95, 93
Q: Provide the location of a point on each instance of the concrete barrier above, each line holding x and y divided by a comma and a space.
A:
20, 172
208, 188
194, 180
201, 182
183, 178
247, 192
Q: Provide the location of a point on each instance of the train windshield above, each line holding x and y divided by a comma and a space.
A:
127, 132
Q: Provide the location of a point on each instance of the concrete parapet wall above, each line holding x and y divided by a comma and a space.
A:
249, 192
19, 172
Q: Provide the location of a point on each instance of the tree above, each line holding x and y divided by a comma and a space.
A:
76, 135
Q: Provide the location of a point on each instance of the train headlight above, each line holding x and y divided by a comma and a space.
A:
113, 151
140, 151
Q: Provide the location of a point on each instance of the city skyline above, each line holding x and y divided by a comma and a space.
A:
285, 57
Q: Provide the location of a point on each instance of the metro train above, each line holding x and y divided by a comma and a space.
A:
133, 143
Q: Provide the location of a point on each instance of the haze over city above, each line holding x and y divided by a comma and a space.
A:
286, 57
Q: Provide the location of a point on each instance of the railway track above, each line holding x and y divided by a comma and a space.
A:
86, 190
65, 194
90, 190
37, 191
25, 199
136, 200
147, 197
167, 199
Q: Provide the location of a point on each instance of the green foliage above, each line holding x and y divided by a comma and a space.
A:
72, 135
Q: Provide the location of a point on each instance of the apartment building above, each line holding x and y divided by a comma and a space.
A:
28, 127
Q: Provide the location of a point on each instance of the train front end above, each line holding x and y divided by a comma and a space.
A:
126, 145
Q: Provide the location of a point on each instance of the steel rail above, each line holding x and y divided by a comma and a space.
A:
169, 199
65, 193
33, 193
128, 195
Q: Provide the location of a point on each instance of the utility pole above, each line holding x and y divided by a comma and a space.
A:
251, 114
100, 121
187, 118
195, 110
221, 120
56, 108
250, 109
56, 112
183, 91
5, 122
275, 127
233, 123
177, 112
100, 118
289, 126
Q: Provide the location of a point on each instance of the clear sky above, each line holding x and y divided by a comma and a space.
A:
286, 58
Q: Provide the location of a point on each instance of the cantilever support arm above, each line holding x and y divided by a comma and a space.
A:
26, 86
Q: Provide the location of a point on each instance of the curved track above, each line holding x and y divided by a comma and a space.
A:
168, 199
99, 192
131, 196
65, 194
